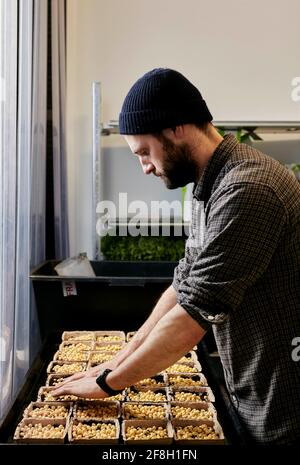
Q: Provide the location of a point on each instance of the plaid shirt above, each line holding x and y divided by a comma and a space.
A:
241, 276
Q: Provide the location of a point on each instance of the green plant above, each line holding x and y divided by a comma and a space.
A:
295, 167
142, 248
242, 137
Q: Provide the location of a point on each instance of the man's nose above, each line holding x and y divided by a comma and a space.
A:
147, 167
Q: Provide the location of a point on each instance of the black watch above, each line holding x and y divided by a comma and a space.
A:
103, 384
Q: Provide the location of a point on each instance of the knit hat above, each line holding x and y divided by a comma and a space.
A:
161, 99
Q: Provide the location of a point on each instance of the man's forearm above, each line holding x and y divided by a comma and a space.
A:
173, 336
166, 302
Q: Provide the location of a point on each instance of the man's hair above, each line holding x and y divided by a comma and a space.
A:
204, 127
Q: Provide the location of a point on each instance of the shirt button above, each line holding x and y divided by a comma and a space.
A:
210, 317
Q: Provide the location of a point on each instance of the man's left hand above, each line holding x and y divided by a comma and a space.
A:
83, 387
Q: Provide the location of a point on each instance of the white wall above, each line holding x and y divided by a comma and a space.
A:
241, 55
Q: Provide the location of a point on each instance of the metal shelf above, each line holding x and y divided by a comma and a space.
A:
261, 127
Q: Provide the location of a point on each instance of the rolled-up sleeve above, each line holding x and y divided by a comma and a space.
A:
244, 224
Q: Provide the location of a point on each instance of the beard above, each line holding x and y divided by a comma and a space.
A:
178, 169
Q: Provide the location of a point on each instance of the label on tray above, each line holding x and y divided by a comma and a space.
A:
69, 288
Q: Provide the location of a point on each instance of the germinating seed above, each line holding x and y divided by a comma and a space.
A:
149, 382
49, 411
147, 396
191, 413
70, 354
109, 348
151, 432
184, 360
184, 381
79, 346
182, 396
80, 337
104, 412
39, 431
94, 431
144, 411
68, 369
181, 369
100, 357
196, 432
109, 339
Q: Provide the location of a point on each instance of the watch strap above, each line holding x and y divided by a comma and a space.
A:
101, 381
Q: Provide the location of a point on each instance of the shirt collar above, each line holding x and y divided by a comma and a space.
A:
202, 189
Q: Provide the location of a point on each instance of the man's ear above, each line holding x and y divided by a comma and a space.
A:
176, 133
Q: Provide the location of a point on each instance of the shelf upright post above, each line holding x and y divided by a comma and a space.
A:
96, 175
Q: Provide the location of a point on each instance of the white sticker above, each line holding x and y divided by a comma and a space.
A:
69, 288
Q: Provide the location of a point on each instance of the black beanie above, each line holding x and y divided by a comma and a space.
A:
161, 99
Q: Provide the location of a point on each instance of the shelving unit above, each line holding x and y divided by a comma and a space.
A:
254, 129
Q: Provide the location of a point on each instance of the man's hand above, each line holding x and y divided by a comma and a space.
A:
92, 372
83, 387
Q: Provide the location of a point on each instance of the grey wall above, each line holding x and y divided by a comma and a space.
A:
285, 151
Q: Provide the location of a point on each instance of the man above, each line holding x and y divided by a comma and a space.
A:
240, 274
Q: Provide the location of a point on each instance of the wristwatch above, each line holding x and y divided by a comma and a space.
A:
103, 384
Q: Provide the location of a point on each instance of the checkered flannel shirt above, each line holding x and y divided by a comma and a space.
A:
241, 276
